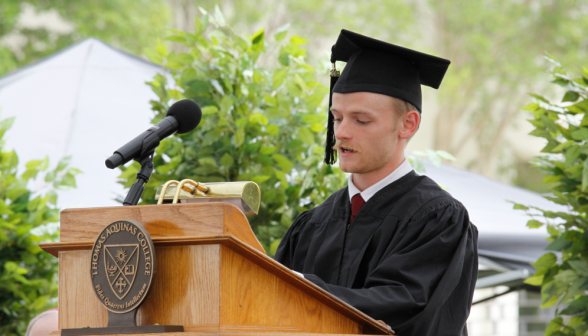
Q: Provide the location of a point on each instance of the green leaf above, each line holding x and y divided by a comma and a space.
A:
258, 36
520, 207
534, 224
554, 327
281, 32
559, 244
50, 176
317, 128
538, 97
227, 160
161, 49
283, 162
572, 154
570, 96
258, 118
63, 163
267, 150
284, 57
535, 280
273, 129
531, 107
239, 137
226, 104
298, 40
261, 178
563, 146
210, 109
581, 134
274, 246
282, 177
577, 307
551, 178
207, 161
153, 55
547, 260
566, 276
585, 175
580, 266
306, 136
279, 77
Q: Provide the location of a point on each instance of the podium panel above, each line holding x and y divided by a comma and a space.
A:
214, 278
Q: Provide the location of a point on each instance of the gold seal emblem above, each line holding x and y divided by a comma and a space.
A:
122, 265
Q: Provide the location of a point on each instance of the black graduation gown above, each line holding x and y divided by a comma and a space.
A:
409, 258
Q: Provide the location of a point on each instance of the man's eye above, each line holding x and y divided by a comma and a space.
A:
338, 119
363, 122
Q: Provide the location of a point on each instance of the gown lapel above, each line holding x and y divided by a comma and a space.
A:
376, 216
329, 249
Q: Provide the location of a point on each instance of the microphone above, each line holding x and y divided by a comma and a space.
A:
183, 116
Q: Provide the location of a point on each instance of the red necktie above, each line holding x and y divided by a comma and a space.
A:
356, 203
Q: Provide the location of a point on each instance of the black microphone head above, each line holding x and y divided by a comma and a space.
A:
188, 114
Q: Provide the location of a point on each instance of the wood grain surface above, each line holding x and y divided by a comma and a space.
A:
254, 290
251, 296
186, 287
165, 220
78, 305
213, 277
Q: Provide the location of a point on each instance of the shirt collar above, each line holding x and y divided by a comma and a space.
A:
399, 172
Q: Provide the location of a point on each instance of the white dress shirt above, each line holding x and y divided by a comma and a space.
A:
399, 172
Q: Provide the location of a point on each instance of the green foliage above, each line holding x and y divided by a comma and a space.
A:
259, 124
127, 24
564, 280
28, 283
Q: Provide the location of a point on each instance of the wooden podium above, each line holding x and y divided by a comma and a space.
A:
213, 277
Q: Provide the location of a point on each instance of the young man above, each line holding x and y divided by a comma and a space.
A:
392, 243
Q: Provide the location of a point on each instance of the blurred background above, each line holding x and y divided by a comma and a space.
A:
497, 50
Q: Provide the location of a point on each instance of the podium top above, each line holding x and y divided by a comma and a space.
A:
161, 221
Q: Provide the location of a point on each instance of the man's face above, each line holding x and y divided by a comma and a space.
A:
366, 130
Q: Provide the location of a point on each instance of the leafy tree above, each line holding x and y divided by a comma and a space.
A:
494, 47
259, 124
28, 283
563, 277
127, 24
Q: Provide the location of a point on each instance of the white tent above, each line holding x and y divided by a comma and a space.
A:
86, 101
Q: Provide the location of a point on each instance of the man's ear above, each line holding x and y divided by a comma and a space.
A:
409, 124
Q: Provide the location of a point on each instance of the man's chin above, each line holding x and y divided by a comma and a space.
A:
349, 167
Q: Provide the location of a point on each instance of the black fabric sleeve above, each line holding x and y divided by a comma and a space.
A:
287, 247
409, 286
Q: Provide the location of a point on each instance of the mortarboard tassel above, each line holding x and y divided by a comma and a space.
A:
330, 154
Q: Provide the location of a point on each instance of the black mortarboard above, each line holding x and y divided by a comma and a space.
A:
380, 67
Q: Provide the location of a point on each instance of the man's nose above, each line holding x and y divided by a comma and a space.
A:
343, 131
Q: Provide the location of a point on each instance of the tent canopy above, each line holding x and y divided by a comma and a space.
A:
86, 101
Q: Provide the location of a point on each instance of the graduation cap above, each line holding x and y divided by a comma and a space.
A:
380, 67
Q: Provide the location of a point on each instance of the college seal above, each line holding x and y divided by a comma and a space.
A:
122, 265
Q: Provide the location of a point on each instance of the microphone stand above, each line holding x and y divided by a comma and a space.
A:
134, 195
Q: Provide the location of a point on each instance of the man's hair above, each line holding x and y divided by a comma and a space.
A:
401, 107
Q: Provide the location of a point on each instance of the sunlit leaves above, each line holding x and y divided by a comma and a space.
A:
27, 274
563, 280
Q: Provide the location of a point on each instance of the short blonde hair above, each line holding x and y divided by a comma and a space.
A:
402, 107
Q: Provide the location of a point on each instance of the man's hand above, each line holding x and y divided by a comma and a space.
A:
386, 326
